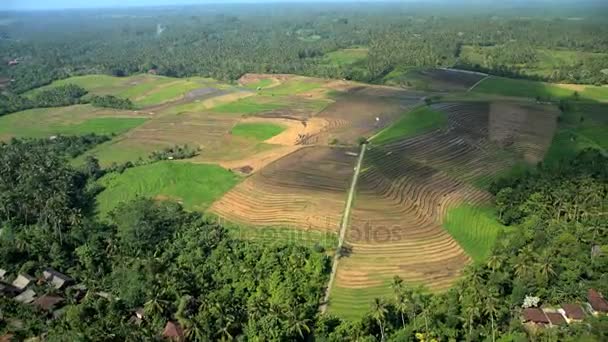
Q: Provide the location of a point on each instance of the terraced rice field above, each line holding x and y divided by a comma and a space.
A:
306, 190
408, 186
434, 79
361, 111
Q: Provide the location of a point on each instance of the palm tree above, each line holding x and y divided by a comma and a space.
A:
402, 304
545, 268
471, 312
397, 285
379, 311
494, 262
297, 324
490, 307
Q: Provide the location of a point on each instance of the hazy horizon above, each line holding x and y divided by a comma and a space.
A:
76, 4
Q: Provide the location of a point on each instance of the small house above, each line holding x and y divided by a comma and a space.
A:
556, 318
573, 312
535, 316
173, 332
58, 280
48, 302
26, 297
598, 304
23, 281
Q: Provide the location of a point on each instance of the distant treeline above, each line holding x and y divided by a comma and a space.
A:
232, 40
59, 96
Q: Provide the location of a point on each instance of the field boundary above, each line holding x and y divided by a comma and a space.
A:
343, 225
476, 84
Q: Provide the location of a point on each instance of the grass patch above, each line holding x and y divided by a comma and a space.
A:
263, 83
119, 151
295, 86
475, 229
97, 84
414, 122
196, 186
167, 93
584, 126
354, 303
73, 120
346, 57
250, 105
257, 130
144, 90
524, 88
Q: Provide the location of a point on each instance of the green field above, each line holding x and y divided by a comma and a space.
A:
196, 186
251, 105
354, 303
475, 229
523, 88
294, 86
144, 90
263, 83
414, 122
73, 120
546, 61
346, 57
583, 126
257, 130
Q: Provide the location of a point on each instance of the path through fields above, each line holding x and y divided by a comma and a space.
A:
343, 225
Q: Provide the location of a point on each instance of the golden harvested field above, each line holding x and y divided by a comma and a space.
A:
305, 189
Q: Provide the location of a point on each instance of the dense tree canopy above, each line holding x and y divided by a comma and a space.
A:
225, 41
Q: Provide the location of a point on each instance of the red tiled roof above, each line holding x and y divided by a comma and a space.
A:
535, 315
574, 311
555, 318
173, 330
598, 303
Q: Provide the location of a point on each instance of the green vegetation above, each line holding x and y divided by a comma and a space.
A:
250, 105
96, 84
417, 121
109, 101
152, 255
143, 90
475, 229
263, 83
294, 86
165, 93
540, 90
347, 304
259, 131
47, 122
556, 65
580, 126
194, 185
64, 95
347, 57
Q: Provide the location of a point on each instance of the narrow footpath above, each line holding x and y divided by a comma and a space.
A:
343, 225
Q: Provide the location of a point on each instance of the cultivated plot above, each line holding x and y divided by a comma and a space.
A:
305, 189
415, 194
